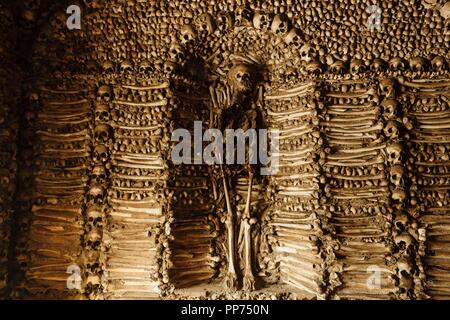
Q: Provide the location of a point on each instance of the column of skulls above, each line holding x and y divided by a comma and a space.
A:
96, 202
404, 230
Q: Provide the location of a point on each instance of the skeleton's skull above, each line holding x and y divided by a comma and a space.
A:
357, 66
261, 21
338, 67
102, 112
97, 194
94, 215
397, 64
146, 69
390, 108
176, 53
387, 87
188, 34
225, 21
93, 238
294, 38
104, 93
394, 153
100, 153
126, 68
206, 23
103, 132
280, 24
401, 220
314, 67
307, 52
377, 65
396, 175
417, 64
108, 67
240, 78
438, 63
99, 174
391, 130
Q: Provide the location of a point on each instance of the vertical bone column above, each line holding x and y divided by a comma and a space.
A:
357, 191
193, 233
427, 118
138, 197
294, 216
48, 246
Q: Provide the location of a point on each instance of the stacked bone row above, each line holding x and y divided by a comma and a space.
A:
295, 212
49, 243
356, 188
426, 106
135, 134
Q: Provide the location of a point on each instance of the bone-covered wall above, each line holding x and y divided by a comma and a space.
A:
93, 207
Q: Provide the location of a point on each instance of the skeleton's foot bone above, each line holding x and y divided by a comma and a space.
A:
249, 279
249, 282
231, 281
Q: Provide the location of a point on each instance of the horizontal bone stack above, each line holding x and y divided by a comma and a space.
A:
137, 194
294, 216
51, 232
428, 116
357, 188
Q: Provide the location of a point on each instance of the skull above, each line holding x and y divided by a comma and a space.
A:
102, 112
417, 64
188, 34
176, 53
240, 78
314, 67
404, 241
294, 38
396, 174
357, 66
280, 24
378, 65
104, 93
93, 238
100, 153
397, 64
387, 87
206, 23
96, 194
94, 215
307, 52
394, 152
226, 21
261, 21
337, 67
99, 174
169, 66
126, 68
390, 108
146, 69
108, 67
398, 194
103, 132
391, 130
401, 220
438, 63
93, 280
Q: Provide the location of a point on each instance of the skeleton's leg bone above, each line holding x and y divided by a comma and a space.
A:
249, 279
231, 277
